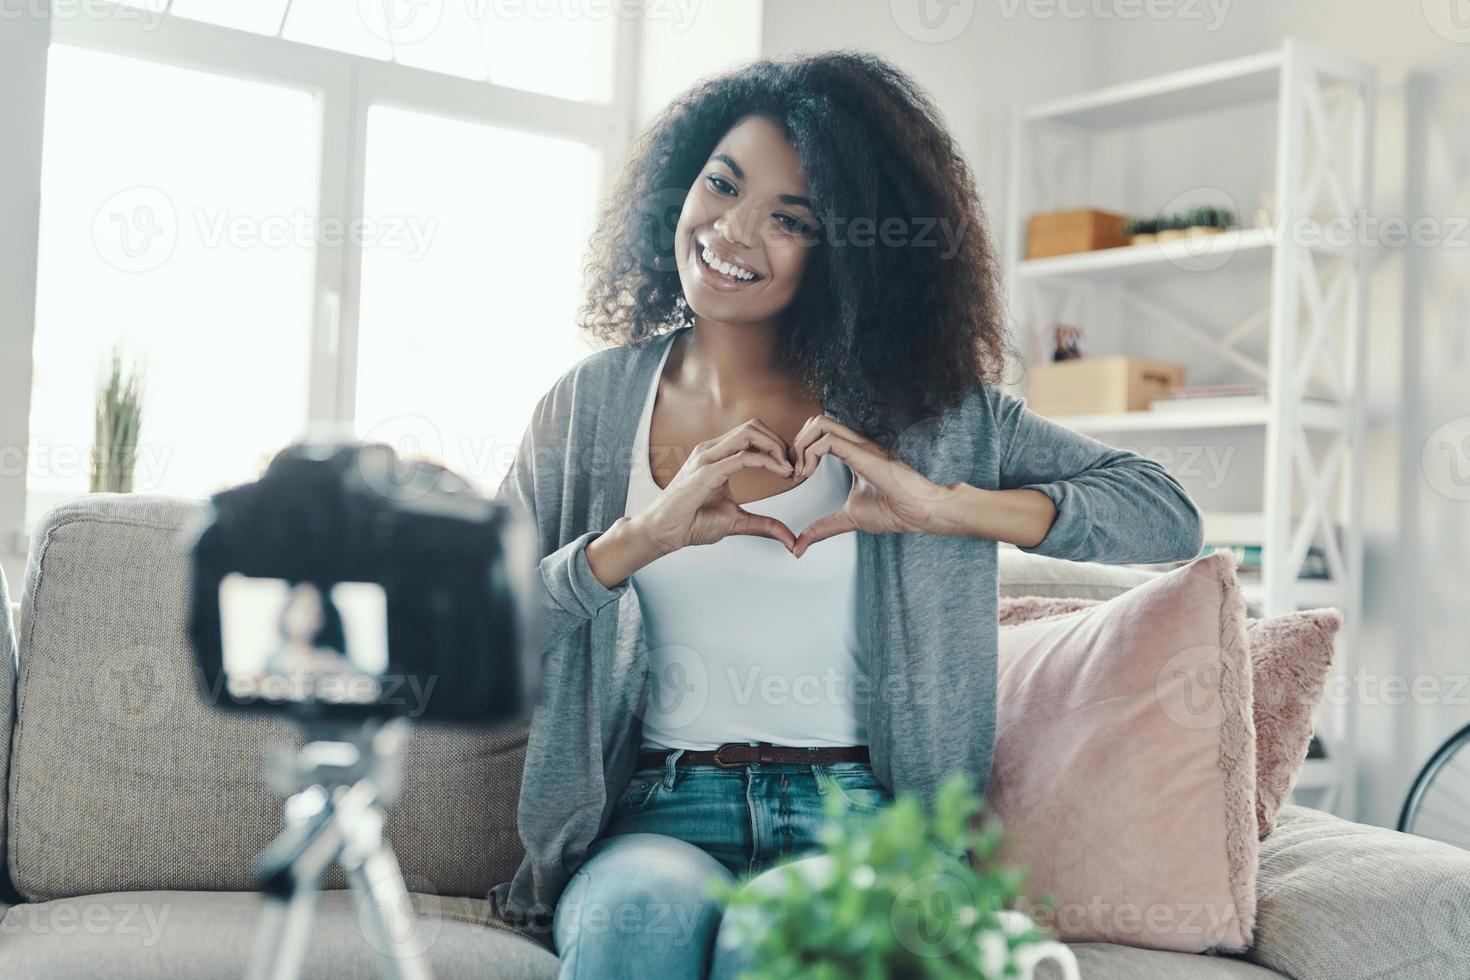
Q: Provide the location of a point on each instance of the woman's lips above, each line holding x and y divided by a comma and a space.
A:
709, 275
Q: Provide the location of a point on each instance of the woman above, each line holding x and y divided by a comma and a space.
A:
802, 385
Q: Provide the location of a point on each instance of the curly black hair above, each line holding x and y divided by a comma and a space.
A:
887, 333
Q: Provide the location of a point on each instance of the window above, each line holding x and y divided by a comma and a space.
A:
471, 281
309, 217
177, 243
546, 46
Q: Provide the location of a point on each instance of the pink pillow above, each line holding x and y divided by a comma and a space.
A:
1291, 658
1125, 767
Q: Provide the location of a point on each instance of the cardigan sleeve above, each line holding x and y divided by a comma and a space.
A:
1112, 505
569, 593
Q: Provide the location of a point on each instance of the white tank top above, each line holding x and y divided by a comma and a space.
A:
745, 642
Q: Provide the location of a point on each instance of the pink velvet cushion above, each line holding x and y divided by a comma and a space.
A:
1291, 658
1125, 763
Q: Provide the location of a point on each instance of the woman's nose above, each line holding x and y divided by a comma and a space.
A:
734, 225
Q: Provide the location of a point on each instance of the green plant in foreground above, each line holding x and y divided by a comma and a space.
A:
893, 903
115, 438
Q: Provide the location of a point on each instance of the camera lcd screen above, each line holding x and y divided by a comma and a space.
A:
283, 641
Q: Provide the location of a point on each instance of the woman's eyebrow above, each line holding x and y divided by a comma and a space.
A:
740, 175
727, 161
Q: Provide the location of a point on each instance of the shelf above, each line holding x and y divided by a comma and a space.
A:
1314, 417
1243, 248
1292, 83
1308, 593
1239, 81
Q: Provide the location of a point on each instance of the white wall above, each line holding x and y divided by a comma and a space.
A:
681, 43
977, 61
23, 44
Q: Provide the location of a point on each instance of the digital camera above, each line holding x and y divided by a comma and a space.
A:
347, 583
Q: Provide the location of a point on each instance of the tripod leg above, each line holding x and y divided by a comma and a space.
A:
290, 871
280, 942
386, 911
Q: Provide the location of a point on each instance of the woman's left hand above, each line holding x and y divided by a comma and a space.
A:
887, 494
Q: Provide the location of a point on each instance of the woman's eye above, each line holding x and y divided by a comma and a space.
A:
719, 183
792, 224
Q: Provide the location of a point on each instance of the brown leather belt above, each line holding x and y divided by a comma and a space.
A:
732, 755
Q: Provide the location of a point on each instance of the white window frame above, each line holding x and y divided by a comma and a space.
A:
346, 87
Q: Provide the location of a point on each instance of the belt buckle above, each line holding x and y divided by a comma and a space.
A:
719, 761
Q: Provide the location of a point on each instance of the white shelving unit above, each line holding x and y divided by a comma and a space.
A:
1313, 321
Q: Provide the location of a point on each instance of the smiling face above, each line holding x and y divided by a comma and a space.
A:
748, 213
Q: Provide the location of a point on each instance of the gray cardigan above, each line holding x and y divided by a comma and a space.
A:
930, 601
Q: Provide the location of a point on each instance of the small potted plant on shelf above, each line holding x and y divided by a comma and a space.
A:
1172, 227
1209, 220
1143, 231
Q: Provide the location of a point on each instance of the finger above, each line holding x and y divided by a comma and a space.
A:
750, 436
804, 436
759, 525
855, 456
829, 424
785, 446
814, 429
787, 456
719, 472
823, 528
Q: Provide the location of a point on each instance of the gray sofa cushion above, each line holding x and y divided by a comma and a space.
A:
1339, 899
1023, 574
159, 935
124, 779
1104, 961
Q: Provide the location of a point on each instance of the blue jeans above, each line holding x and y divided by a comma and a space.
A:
638, 905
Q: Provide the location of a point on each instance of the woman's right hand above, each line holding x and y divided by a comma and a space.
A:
697, 507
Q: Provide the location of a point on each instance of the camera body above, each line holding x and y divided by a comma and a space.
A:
347, 584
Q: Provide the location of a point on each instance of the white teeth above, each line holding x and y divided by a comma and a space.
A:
734, 272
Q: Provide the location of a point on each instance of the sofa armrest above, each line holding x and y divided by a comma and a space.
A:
1341, 899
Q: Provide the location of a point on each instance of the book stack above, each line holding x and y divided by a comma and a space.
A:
1212, 398
1241, 534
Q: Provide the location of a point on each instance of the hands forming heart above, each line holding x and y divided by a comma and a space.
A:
696, 507
887, 496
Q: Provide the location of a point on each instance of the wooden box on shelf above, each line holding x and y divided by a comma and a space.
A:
1079, 230
1100, 385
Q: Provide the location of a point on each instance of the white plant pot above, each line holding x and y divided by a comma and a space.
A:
1031, 956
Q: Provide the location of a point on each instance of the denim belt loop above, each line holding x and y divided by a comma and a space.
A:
669, 763
817, 777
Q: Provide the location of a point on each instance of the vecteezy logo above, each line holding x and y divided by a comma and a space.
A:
400, 22
1202, 250
390, 921
1446, 459
929, 915
682, 690
136, 230
658, 218
1450, 19
412, 437
1187, 688
132, 690
932, 21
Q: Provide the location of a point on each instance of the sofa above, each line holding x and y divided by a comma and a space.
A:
132, 810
